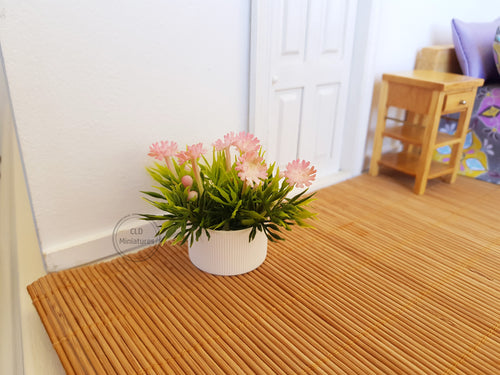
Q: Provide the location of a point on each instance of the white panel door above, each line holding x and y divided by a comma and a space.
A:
301, 57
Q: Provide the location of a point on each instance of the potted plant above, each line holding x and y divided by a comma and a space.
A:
232, 193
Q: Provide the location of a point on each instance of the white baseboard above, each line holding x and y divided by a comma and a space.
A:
118, 241
68, 256
333, 179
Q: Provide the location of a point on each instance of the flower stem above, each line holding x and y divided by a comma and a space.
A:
197, 177
244, 189
227, 155
170, 166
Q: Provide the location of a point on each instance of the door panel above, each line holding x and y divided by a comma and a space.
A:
334, 27
284, 136
300, 73
294, 27
326, 108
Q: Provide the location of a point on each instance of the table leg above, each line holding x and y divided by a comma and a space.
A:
378, 137
431, 124
457, 149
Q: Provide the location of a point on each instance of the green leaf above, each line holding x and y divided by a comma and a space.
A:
224, 194
247, 222
153, 194
254, 215
273, 236
235, 211
216, 199
153, 217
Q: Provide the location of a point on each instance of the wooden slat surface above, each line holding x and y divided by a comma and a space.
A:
388, 283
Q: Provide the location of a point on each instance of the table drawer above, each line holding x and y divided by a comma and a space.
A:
458, 102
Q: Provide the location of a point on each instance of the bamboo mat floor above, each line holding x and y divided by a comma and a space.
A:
388, 283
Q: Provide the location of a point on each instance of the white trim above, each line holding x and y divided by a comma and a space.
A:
329, 180
11, 352
25, 345
72, 255
87, 250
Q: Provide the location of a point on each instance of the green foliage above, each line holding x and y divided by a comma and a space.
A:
226, 202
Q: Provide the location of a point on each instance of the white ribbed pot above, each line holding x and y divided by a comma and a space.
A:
228, 253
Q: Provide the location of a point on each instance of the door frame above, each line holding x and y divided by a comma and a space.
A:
361, 84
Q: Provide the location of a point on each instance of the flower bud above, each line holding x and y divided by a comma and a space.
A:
192, 195
187, 180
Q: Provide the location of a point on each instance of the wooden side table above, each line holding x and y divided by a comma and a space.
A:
424, 96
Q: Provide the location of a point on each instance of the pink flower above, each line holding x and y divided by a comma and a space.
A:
195, 151
192, 153
299, 173
182, 157
226, 143
229, 138
251, 168
219, 145
246, 142
162, 150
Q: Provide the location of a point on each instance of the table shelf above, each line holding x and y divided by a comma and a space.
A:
408, 163
414, 134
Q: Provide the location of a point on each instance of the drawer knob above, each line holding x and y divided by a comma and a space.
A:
462, 102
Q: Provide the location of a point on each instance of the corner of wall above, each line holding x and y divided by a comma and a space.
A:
362, 85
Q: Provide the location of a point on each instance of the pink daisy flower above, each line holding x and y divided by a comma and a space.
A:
192, 153
227, 142
299, 173
182, 157
195, 151
162, 150
251, 168
219, 145
229, 138
246, 142
225, 145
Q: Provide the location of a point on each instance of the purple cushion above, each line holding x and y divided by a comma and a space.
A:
473, 46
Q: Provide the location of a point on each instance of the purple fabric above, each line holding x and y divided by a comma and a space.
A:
480, 157
474, 48
496, 50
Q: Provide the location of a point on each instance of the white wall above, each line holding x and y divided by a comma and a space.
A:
93, 83
402, 28
407, 26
